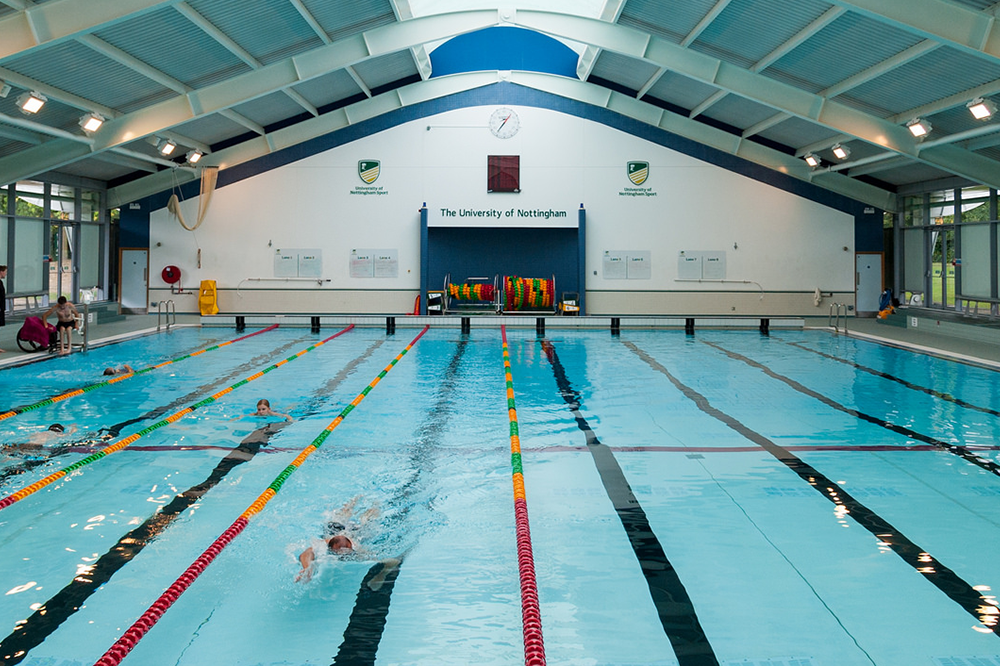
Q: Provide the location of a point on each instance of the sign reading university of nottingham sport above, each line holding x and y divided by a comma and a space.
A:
368, 172
637, 173
486, 215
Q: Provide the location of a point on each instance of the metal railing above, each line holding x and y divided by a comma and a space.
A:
834, 318
167, 312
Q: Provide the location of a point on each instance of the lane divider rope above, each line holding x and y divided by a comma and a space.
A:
531, 617
91, 387
121, 444
134, 634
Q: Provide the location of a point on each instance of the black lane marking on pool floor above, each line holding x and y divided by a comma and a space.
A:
114, 431
955, 449
946, 580
899, 380
371, 608
44, 621
60, 607
673, 605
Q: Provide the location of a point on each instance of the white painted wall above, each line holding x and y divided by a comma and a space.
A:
779, 241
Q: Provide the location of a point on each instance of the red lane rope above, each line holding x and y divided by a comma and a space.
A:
531, 617
90, 387
134, 634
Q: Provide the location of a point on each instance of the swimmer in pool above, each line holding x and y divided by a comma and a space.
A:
341, 537
122, 370
264, 409
38, 441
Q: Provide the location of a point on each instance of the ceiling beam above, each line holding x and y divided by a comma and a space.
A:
703, 24
946, 22
51, 22
763, 90
222, 96
17, 4
610, 12
422, 60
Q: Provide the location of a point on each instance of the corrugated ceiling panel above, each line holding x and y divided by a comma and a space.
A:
5, 10
738, 112
797, 133
169, 42
53, 114
956, 119
747, 30
858, 42
386, 69
346, 17
668, 19
681, 91
286, 33
938, 74
910, 174
328, 88
80, 70
211, 129
270, 109
9, 146
98, 169
629, 72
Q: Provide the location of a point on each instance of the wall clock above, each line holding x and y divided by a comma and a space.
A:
504, 123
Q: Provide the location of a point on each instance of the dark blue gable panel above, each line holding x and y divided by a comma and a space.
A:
501, 48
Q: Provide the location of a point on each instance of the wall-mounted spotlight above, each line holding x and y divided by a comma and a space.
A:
919, 127
982, 109
31, 102
841, 152
194, 156
4, 88
91, 122
166, 146
812, 160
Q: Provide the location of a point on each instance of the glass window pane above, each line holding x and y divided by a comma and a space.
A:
913, 258
975, 253
63, 202
30, 199
90, 256
29, 246
3, 240
3, 201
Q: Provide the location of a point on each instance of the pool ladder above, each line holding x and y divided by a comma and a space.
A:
834, 318
167, 311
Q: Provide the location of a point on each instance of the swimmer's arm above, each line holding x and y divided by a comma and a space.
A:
306, 559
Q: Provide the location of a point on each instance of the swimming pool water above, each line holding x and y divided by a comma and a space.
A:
723, 498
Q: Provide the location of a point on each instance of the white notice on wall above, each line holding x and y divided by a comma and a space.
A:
286, 264
362, 264
310, 263
713, 265
615, 265
639, 265
689, 265
386, 263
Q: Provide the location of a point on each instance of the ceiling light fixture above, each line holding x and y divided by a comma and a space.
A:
91, 122
166, 146
919, 127
31, 102
811, 160
982, 109
841, 152
194, 156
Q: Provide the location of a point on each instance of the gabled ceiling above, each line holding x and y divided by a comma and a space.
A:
766, 80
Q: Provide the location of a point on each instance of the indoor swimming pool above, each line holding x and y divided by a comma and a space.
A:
731, 498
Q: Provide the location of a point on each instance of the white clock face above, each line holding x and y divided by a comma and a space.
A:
504, 123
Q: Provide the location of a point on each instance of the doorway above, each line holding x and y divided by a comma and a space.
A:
133, 279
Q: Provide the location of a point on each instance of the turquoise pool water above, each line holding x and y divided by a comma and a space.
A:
725, 498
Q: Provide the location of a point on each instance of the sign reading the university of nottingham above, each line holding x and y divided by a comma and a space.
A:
368, 172
637, 173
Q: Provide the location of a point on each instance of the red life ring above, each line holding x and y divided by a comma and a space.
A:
171, 274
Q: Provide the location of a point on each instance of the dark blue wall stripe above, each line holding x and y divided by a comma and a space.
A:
868, 226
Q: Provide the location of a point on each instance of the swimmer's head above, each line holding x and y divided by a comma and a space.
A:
57, 427
263, 406
110, 371
340, 544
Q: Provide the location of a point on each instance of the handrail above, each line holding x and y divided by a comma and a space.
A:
833, 319
164, 310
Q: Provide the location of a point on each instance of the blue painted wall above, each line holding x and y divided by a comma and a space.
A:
501, 48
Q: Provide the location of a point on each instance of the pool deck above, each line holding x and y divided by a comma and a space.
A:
976, 341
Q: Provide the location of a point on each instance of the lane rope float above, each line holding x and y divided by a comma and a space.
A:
134, 634
531, 617
91, 387
121, 444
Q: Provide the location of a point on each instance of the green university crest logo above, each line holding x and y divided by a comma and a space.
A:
638, 172
368, 170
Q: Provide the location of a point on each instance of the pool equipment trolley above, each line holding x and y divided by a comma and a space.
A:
529, 295
475, 295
